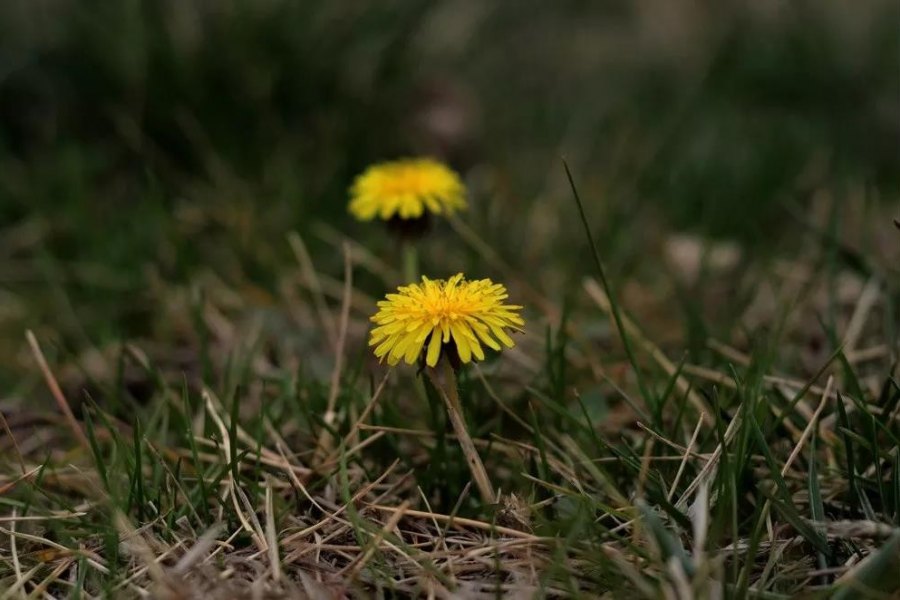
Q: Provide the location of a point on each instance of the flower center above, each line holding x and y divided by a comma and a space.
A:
442, 308
402, 183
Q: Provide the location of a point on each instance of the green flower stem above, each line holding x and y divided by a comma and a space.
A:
447, 388
410, 263
411, 275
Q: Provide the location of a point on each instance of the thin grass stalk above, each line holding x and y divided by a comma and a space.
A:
447, 387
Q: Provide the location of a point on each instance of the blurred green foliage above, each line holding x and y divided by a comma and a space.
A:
160, 137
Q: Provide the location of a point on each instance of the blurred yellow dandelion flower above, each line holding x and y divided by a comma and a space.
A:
406, 189
453, 314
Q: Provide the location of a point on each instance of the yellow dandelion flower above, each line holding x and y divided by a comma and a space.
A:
406, 189
454, 314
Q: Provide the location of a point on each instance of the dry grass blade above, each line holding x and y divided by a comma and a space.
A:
708, 470
198, 551
312, 281
15, 444
233, 490
633, 332
272, 534
19, 583
771, 381
13, 550
358, 564
12, 484
810, 427
461, 522
688, 451
360, 494
359, 423
134, 541
56, 391
325, 437
867, 301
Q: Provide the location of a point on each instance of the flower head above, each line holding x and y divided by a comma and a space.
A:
453, 314
406, 189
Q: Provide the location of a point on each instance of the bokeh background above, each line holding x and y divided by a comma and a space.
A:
156, 153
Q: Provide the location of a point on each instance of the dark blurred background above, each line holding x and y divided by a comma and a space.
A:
146, 144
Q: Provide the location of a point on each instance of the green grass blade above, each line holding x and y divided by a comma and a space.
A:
816, 505
601, 272
785, 506
876, 576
